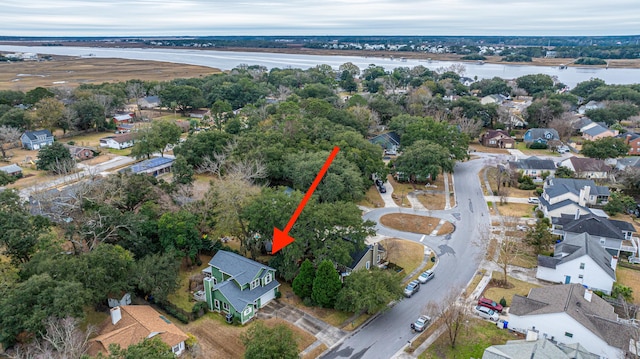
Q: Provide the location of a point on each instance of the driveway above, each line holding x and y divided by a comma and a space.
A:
459, 257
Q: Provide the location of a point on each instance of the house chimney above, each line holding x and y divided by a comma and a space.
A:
614, 262
116, 315
627, 139
532, 336
587, 295
584, 196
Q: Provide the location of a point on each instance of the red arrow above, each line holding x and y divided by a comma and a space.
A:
282, 239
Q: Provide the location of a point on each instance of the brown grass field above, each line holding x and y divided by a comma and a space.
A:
66, 71
414, 224
630, 278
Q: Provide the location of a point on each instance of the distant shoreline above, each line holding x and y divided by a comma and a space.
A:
549, 62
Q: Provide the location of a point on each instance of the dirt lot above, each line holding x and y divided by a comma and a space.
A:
414, 224
65, 71
220, 340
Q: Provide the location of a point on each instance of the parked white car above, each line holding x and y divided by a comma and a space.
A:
486, 313
534, 200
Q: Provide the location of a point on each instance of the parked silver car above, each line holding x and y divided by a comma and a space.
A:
486, 313
634, 260
420, 324
411, 288
426, 276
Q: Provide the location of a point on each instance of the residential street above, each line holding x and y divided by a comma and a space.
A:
459, 258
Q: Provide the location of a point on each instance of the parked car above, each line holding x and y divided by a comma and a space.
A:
420, 324
426, 276
563, 149
382, 189
634, 260
486, 313
491, 304
522, 227
534, 200
379, 182
411, 288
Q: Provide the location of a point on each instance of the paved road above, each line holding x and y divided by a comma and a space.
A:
86, 170
459, 258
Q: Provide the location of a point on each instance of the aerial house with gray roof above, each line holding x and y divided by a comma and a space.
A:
238, 286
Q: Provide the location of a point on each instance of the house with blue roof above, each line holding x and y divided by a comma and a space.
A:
238, 286
541, 135
153, 166
35, 140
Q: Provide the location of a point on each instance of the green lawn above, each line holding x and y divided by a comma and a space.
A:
523, 147
182, 297
471, 342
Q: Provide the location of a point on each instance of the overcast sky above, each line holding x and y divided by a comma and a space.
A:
327, 17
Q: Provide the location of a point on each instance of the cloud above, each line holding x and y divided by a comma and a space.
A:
306, 17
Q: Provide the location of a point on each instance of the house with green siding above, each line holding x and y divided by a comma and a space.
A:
238, 286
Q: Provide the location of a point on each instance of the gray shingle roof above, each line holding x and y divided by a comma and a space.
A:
239, 299
558, 186
596, 315
534, 163
242, 269
595, 130
543, 133
592, 224
561, 204
576, 246
32, 135
540, 349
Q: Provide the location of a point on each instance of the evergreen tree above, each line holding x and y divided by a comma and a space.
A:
303, 283
326, 285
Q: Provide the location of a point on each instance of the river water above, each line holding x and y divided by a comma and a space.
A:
226, 60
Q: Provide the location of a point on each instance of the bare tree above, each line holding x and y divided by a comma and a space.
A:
509, 248
451, 312
469, 126
8, 135
562, 124
63, 339
106, 101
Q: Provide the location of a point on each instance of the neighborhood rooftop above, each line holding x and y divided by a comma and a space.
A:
150, 163
244, 273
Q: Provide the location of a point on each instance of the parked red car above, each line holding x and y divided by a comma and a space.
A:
486, 302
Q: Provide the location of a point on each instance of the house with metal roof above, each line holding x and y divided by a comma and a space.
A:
35, 140
579, 258
388, 141
238, 286
572, 314
611, 234
153, 166
12, 169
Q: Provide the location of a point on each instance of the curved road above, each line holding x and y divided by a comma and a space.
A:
459, 257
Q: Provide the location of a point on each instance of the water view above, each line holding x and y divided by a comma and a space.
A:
226, 60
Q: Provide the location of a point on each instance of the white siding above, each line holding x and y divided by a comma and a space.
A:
564, 196
557, 324
593, 276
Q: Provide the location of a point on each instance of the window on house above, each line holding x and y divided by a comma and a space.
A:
176, 348
216, 304
581, 265
247, 311
368, 265
255, 283
225, 305
569, 335
267, 278
580, 276
602, 241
